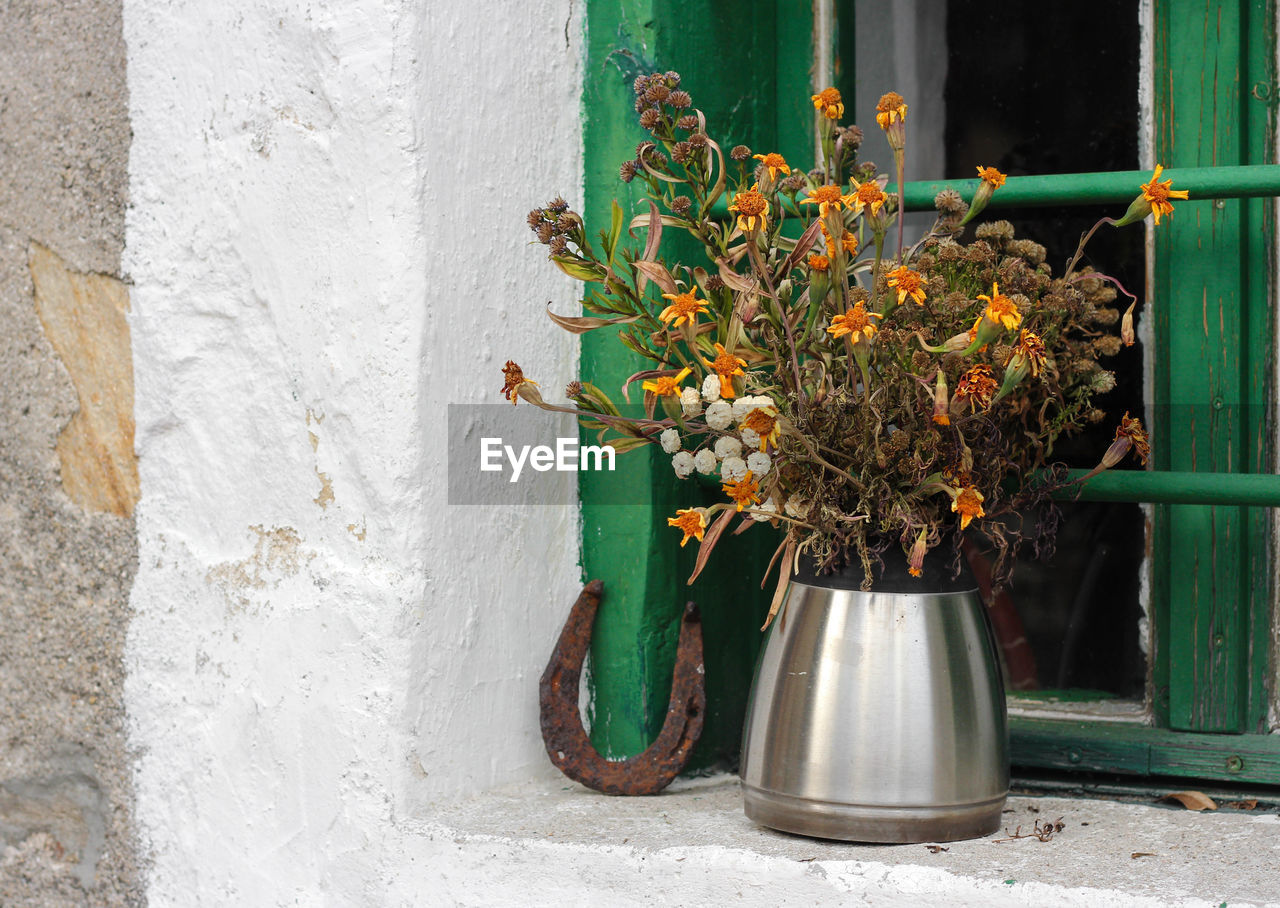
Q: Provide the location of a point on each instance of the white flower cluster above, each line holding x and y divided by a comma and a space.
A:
734, 455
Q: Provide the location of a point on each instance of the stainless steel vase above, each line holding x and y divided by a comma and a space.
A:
878, 716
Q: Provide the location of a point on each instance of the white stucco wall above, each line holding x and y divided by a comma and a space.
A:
327, 246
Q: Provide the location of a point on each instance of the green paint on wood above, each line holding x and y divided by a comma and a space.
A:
1178, 488
1210, 312
1138, 750
631, 548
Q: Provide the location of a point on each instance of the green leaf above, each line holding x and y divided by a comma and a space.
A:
577, 269
615, 231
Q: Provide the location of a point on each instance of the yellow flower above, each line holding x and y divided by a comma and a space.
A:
774, 162
764, 422
909, 284
1158, 194
857, 322
967, 502
745, 492
828, 101
867, 195
726, 365
891, 107
1000, 309
826, 198
819, 263
685, 307
751, 207
690, 521
667, 385
992, 176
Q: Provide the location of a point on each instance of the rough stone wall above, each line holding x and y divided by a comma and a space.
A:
68, 481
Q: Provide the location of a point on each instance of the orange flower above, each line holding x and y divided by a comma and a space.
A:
1001, 309
775, 162
992, 176
726, 365
685, 307
856, 322
745, 492
819, 263
867, 195
976, 386
848, 241
826, 198
909, 284
1029, 351
967, 502
752, 209
512, 379
915, 560
1158, 194
667, 385
690, 521
764, 422
891, 107
1131, 428
828, 101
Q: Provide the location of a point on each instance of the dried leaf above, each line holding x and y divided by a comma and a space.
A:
784, 581
584, 323
803, 245
709, 540
650, 244
936, 848
658, 273
1192, 800
1247, 804
732, 279
1144, 854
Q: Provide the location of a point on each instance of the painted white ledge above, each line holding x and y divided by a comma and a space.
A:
692, 845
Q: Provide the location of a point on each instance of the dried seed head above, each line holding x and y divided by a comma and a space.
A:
534, 218
640, 84
679, 99
658, 93
641, 104
627, 171
698, 140
740, 153
950, 202
1107, 345
545, 231
558, 205
687, 122
573, 390
1000, 231
714, 283
649, 118
852, 136
794, 183
681, 151
559, 245
681, 204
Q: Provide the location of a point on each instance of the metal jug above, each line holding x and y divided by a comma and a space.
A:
878, 716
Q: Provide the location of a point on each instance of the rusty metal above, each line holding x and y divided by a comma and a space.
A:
567, 743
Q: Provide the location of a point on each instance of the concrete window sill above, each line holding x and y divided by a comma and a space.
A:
692, 845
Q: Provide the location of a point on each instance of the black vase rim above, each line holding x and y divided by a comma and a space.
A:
892, 575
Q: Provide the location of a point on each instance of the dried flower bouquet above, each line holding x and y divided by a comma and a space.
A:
853, 392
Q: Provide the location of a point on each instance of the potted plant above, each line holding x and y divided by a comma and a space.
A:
870, 402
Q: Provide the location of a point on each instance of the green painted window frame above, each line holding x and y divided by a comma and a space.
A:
1212, 480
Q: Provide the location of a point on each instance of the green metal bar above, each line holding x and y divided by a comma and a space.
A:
1177, 487
1120, 186
1113, 187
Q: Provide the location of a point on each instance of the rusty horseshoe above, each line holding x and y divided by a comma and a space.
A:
567, 743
